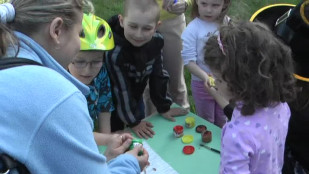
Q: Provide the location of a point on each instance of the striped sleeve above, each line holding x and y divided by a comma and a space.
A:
120, 87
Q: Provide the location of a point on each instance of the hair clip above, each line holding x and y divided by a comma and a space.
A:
220, 44
7, 12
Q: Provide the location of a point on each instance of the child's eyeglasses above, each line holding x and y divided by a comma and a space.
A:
83, 64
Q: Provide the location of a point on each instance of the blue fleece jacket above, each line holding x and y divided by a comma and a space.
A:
44, 120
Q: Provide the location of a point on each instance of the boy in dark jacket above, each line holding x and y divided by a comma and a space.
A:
136, 59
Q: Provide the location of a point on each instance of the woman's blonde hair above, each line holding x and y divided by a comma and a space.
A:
32, 14
6, 38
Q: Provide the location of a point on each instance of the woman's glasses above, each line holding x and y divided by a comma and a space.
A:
83, 64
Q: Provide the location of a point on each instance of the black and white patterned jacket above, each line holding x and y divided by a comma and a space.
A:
130, 68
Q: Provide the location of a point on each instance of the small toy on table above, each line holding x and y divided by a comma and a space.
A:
190, 122
136, 142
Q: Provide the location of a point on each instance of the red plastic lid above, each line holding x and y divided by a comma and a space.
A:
178, 128
188, 150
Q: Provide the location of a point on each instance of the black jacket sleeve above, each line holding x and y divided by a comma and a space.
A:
158, 81
121, 88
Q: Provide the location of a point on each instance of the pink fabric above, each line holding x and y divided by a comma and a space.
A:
205, 105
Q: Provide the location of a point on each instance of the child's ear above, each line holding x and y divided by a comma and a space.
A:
158, 24
120, 17
55, 29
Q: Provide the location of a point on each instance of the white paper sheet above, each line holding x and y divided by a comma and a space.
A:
157, 164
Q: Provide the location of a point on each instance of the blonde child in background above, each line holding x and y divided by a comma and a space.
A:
87, 66
260, 81
208, 15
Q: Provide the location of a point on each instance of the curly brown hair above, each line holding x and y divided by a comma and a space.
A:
257, 67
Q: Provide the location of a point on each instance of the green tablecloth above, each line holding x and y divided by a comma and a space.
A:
202, 161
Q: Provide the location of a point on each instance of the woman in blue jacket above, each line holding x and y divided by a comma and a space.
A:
38, 126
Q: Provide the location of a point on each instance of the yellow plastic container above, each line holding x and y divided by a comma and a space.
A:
190, 122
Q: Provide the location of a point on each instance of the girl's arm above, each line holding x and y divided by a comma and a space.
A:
194, 69
104, 122
105, 102
189, 51
221, 100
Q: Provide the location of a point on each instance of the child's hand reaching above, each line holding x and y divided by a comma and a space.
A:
213, 91
174, 112
175, 6
167, 3
210, 86
144, 130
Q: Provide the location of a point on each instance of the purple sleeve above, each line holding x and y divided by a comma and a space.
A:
236, 149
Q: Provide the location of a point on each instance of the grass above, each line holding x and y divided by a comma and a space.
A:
240, 9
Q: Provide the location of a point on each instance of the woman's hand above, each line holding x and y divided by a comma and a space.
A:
142, 158
117, 144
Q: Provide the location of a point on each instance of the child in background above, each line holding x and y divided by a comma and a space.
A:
135, 60
173, 22
208, 15
88, 68
260, 81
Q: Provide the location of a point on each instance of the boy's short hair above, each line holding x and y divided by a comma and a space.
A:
142, 5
